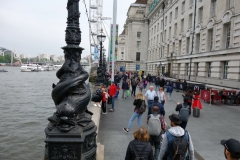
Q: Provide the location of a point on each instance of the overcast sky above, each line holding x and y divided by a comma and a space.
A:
38, 27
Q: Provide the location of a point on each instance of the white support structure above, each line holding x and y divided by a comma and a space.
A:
95, 14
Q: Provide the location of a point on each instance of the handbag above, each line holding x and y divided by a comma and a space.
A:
109, 100
128, 93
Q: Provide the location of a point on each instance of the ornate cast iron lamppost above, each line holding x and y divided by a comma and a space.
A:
100, 70
71, 134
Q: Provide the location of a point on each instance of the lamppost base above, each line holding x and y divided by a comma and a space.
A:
77, 144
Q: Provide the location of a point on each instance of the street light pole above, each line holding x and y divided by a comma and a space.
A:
100, 70
71, 133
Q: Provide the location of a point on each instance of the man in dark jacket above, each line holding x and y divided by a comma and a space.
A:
160, 106
134, 86
178, 109
125, 87
157, 83
162, 82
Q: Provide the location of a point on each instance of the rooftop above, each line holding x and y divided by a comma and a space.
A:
141, 2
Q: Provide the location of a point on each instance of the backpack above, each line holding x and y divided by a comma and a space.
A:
138, 157
140, 85
178, 146
184, 113
143, 107
154, 124
134, 83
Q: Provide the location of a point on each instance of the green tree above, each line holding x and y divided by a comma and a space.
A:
2, 59
8, 58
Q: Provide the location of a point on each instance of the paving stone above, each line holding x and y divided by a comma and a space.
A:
214, 124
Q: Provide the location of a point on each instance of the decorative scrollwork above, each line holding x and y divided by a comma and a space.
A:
90, 142
64, 152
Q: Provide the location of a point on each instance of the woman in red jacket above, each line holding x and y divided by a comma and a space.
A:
196, 99
112, 92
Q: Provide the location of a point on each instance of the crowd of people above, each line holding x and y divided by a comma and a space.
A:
168, 142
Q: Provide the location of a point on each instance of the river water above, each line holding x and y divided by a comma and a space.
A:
25, 105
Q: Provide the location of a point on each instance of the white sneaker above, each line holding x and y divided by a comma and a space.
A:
95, 104
104, 113
99, 105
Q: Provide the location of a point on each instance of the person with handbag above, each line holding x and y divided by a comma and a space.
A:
161, 95
137, 114
140, 147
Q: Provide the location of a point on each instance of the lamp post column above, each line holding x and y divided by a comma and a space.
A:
71, 133
100, 71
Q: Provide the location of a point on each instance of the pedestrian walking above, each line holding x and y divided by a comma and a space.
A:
139, 148
149, 96
112, 92
125, 88
160, 106
161, 95
231, 149
134, 86
185, 85
184, 112
176, 141
155, 124
145, 83
137, 114
157, 83
169, 91
141, 85
162, 83
189, 96
105, 96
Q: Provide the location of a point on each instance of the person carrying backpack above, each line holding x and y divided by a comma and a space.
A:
156, 124
184, 112
134, 85
176, 142
139, 148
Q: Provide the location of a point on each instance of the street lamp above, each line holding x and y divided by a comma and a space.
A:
100, 70
71, 133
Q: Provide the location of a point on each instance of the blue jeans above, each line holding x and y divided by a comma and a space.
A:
135, 115
157, 87
150, 102
113, 102
169, 95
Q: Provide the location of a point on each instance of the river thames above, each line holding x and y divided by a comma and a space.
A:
25, 105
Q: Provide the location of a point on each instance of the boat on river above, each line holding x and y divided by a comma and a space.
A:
3, 70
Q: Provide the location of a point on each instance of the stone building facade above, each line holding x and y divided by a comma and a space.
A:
133, 42
197, 40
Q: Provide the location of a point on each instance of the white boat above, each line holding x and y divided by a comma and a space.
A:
26, 67
37, 68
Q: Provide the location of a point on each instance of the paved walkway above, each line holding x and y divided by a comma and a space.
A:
215, 123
